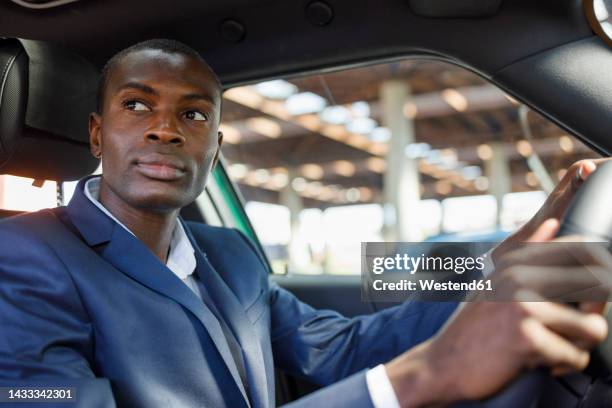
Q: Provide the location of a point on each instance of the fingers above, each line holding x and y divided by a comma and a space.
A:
566, 251
593, 307
580, 171
558, 336
549, 349
577, 327
546, 231
564, 285
560, 198
586, 168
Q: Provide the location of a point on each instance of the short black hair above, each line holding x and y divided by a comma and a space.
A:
161, 44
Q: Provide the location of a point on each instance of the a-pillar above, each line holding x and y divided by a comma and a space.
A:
401, 180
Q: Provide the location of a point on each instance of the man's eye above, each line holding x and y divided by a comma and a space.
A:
135, 106
195, 115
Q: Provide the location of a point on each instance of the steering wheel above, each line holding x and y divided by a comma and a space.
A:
589, 215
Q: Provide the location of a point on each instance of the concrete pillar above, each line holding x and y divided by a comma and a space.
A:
497, 169
293, 201
401, 180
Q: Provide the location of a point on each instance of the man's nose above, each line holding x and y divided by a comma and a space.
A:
165, 131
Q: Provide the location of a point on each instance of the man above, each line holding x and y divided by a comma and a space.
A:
117, 297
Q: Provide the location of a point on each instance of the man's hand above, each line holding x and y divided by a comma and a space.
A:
488, 343
555, 205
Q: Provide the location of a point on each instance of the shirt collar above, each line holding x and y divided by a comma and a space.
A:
181, 258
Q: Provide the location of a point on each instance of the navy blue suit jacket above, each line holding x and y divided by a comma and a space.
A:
84, 303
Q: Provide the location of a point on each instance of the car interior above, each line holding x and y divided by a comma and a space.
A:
534, 77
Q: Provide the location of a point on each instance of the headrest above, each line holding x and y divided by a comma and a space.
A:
46, 95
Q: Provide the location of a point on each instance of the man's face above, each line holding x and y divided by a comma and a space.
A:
157, 133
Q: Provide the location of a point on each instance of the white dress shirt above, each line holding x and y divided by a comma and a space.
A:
181, 257
182, 262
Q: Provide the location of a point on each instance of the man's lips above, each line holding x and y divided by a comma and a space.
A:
161, 168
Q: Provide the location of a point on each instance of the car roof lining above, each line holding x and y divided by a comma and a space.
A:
282, 47
98, 29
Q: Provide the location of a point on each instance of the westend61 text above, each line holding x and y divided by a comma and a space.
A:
432, 285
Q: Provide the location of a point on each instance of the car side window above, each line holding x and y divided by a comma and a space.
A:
20, 194
409, 150
25, 194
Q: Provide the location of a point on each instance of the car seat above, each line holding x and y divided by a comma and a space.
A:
46, 95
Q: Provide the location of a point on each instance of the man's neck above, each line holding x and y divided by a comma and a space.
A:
153, 228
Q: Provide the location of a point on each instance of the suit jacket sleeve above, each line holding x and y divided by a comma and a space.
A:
327, 348
46, 336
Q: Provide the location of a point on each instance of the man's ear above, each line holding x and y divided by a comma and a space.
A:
95, 134
220, 141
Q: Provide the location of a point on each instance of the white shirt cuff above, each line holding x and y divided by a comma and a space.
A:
380, 388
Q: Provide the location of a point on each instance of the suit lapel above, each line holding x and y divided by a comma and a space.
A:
235, 316
142, 266
129, 255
